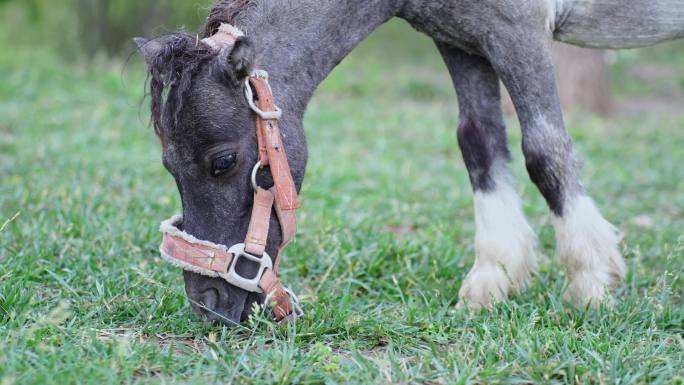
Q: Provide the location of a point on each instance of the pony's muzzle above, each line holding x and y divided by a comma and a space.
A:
210, 295
218, 300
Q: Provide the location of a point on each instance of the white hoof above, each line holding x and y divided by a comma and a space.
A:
588, 249
589, 288
483, 287
505, 247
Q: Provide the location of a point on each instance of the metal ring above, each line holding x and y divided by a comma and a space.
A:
249, 95
256, 168
266, 115
294, 301
262, 74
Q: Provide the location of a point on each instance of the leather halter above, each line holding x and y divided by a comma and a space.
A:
207, 258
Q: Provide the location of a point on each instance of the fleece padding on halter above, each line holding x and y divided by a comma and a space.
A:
192, 263
224, 37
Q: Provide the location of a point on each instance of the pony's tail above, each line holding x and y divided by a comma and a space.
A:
618, 23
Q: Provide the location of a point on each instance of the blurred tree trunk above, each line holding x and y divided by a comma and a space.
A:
582, 78
157, 13
94, 24
107, 26
33, 9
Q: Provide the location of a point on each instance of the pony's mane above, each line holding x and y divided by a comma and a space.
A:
225, 11
171, 72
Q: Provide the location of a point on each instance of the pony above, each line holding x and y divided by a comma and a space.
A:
208, 140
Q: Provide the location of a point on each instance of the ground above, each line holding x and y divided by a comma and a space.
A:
385, 238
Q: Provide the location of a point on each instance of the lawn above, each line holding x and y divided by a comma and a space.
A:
384, 243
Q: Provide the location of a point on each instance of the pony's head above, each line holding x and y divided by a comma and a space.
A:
209, 146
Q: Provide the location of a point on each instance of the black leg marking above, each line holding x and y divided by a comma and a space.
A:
527, 71
481, 131
543, 172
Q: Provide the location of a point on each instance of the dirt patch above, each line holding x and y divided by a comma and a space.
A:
181, 344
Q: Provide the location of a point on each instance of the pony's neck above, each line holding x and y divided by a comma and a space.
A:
300, 42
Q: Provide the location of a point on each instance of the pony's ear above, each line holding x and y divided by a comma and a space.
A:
149, 49
242, 57
236, 62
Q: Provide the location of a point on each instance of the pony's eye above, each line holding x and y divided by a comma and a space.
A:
223, 164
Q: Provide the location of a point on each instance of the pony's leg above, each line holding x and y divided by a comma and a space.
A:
586, 242
505, 245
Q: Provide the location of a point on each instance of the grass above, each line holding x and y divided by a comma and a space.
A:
385, 241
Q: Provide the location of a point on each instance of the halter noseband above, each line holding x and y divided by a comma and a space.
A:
215, 260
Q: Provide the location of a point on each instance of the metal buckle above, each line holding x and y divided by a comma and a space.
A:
236, 279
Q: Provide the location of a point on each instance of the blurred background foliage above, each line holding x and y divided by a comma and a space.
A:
85, 30
94, 27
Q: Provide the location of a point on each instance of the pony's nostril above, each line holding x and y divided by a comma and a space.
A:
208, 300
215, 299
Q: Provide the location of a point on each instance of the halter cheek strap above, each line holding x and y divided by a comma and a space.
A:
214, 260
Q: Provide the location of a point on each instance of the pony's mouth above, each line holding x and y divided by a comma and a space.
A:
217, 300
